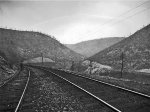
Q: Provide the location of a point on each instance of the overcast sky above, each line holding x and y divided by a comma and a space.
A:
72, 21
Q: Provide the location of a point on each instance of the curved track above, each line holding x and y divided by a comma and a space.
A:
122, 99
50, 93
7, 80
119, 87
92, 102
12, 91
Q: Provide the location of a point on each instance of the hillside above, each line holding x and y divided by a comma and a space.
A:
5, 70
135, 48
91, 47
17, 46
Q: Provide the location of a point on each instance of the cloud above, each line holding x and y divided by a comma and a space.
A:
74, 20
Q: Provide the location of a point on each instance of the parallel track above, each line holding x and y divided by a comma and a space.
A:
112, 85
12, 92
121, 98
38, 99
109, 107
21, 98
7, 80
97, 104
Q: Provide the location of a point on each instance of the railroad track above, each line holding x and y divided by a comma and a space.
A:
91, 103
112, 85
119, 98
38, 95
12, 92
95, 103
9, 79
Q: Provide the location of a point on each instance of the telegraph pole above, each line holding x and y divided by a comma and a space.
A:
42, 57
90, 65
72, 66
122, 64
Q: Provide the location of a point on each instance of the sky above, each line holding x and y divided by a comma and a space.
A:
73, 21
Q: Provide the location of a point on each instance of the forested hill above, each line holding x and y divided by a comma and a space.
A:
135, 49
91, 47
17, 46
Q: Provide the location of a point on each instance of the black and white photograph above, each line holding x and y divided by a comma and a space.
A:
74, 55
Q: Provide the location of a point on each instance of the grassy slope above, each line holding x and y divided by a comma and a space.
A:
91, 47
17, 46
136, 49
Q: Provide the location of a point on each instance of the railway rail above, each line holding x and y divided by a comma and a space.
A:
95, 104
120, 98
21, 95
119, 87
9, 79
43, 100
12, 92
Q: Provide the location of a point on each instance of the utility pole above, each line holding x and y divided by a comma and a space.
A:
122, 63
90, 65
72, 66
42, 57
